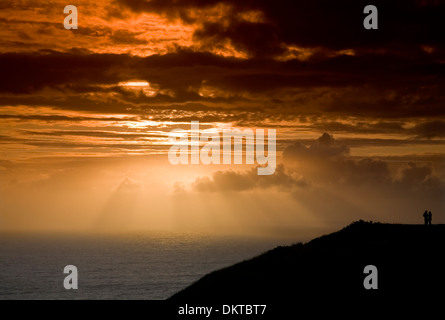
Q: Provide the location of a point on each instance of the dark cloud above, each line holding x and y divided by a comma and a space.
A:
27, 72
342, 186
377, 86
126, 37
324, 146
98, 134
429, 130
369, 142
388, 78
226, 181
423, 133
95, 147
328, 161
415, 174
360, 126
173, 70
62, 118
403, 25
23, 35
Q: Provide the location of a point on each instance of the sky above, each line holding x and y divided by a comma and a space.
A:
85, 114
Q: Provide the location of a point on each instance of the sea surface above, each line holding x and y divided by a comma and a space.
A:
141, 266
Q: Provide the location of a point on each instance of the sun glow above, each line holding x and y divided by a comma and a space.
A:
137, 83
148, 89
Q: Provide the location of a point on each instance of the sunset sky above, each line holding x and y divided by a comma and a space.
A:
85, 114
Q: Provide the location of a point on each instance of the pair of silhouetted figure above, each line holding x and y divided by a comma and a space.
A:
427, 216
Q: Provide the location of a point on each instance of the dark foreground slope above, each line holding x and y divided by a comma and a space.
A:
330, 270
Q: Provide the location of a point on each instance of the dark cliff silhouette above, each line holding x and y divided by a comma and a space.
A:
329, 271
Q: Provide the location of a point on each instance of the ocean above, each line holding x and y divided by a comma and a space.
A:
141, 266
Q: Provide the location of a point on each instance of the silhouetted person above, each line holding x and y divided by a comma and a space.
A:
426, 217
430, 217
